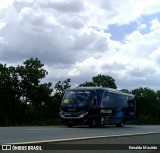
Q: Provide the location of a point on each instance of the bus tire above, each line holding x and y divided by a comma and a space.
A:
120, 124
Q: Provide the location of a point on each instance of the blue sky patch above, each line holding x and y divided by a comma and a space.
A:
119, 31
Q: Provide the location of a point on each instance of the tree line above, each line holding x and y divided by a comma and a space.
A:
25, 100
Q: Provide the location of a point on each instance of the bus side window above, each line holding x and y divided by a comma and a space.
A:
105, 99
111, 100
125, 101
94, 99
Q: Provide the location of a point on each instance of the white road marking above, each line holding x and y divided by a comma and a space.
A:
80, 138
39, 129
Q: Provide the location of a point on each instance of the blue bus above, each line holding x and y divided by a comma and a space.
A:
97, 106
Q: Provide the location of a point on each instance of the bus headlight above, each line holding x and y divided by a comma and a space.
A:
103, 111
83, 115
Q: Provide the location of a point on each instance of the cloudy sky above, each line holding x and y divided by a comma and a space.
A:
79, 39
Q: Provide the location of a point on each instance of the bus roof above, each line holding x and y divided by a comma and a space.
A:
102, 88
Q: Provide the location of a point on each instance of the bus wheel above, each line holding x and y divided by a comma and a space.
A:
120, 124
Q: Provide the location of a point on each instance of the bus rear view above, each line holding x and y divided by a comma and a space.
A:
91, 105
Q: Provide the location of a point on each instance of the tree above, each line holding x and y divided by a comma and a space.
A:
10, 104
61, 87
158, 106
104, 81
146, 100
101, 81
23, 97
125, 91
87, 84
31, 74
5, 91
35, 95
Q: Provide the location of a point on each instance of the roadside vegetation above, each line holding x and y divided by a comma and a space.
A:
25, 100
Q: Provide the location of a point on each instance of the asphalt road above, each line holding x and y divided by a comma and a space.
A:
118, 144
116, 138
40, 134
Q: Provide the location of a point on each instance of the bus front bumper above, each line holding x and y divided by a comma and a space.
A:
77, 120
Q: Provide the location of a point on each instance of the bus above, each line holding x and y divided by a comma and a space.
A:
97, 106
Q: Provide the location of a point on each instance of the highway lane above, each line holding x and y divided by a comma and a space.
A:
119, 144
49, 133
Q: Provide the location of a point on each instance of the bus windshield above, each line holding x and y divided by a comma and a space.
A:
76, 98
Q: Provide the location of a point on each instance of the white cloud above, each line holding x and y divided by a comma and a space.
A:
155, 24
118, 12
155, 56
70, 38
2, 24
72, 22
64, 6
142, 26
5, 4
